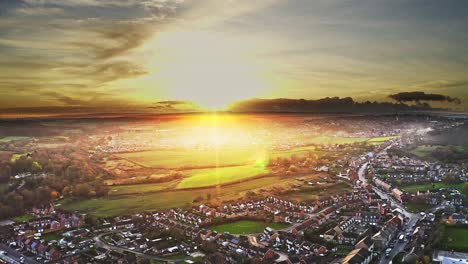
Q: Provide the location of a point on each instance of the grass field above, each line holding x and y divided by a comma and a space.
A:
246, 227
382, 139
457, 238
139, 188
425, 187
24, 218
10, 139
315, 192
51, 236
416, 208
127, 204
424, 150
216, 176
193, 158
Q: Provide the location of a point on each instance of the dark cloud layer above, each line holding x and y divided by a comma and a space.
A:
325, 105
422, 96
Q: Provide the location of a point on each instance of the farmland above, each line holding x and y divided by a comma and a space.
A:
216, 176
138, 188
144, 197
192, 158
246, 227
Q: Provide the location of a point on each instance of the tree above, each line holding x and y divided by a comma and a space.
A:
450, 178
5, 172
82, 190
54, 195
465, 188
91, 220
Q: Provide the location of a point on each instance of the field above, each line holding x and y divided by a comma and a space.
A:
138, 188
416, 208
424, 150
51, 236
216, 176
425, 187
247, 227
10, 139
24, 218
167, 159
144, 199
457, 238
311, 193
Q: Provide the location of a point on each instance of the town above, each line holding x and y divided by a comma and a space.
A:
395, 207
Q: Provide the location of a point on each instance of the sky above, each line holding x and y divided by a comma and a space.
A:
111, 55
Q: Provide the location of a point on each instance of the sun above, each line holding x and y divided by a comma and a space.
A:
210, 69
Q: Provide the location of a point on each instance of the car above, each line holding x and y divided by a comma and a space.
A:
2, 252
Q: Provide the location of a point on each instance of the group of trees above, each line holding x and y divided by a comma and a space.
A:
69, 172
295, 163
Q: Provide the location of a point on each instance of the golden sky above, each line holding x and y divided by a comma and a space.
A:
126, 55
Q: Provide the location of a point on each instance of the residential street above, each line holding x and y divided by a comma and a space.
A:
13, 256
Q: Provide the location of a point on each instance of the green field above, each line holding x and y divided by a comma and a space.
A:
382, 139
139, 188
246, 227
193, 158
127, 204
457, 238
416, 208
24, 218
10, 139
424, 150
428, 186
216, 176
312, 193
51, 236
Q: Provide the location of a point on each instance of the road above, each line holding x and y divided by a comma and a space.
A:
413, 218
13, 256
400, 246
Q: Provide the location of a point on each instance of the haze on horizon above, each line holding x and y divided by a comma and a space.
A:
124, 55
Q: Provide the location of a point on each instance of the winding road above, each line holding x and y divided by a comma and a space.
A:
413, 218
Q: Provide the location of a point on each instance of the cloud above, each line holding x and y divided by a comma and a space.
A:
67, 100
112, 39
174, 106
422, 96
438, 84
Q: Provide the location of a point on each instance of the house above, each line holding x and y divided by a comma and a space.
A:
456, 218
358, 256
366, 243
53, 254
456, 199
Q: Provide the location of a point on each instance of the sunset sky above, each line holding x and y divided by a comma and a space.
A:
126, 55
